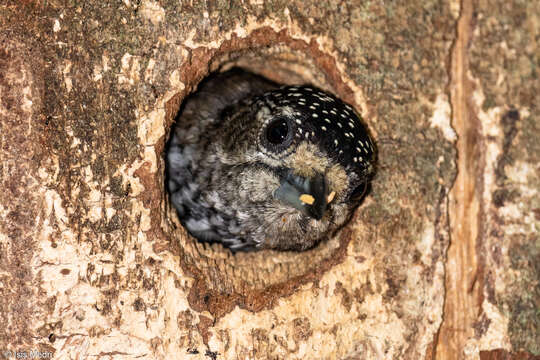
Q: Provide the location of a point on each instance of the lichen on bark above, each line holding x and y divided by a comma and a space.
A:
94, 260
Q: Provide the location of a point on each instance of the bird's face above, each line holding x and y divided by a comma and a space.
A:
304, 154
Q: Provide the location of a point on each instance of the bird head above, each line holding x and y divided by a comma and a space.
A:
303, 153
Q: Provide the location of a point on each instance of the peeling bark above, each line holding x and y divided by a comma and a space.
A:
94, 262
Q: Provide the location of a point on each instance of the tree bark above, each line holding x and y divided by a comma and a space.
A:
440, 261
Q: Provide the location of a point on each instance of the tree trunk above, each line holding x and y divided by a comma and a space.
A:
442, 260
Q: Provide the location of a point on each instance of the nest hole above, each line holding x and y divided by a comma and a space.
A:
253, 279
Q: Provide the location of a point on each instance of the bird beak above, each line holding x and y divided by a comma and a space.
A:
309, 195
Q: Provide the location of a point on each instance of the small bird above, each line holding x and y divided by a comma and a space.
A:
255, 165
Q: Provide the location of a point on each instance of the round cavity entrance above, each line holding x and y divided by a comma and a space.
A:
253, 280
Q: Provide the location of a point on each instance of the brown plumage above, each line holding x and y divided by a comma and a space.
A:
246, 157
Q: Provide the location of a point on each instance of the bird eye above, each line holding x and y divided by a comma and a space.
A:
277, 131
359, 192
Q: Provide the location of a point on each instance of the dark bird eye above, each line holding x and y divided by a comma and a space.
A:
277, 131
359, 192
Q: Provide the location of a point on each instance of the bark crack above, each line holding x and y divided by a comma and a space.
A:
463, 272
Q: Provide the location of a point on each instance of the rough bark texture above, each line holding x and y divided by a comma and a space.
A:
441, 261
